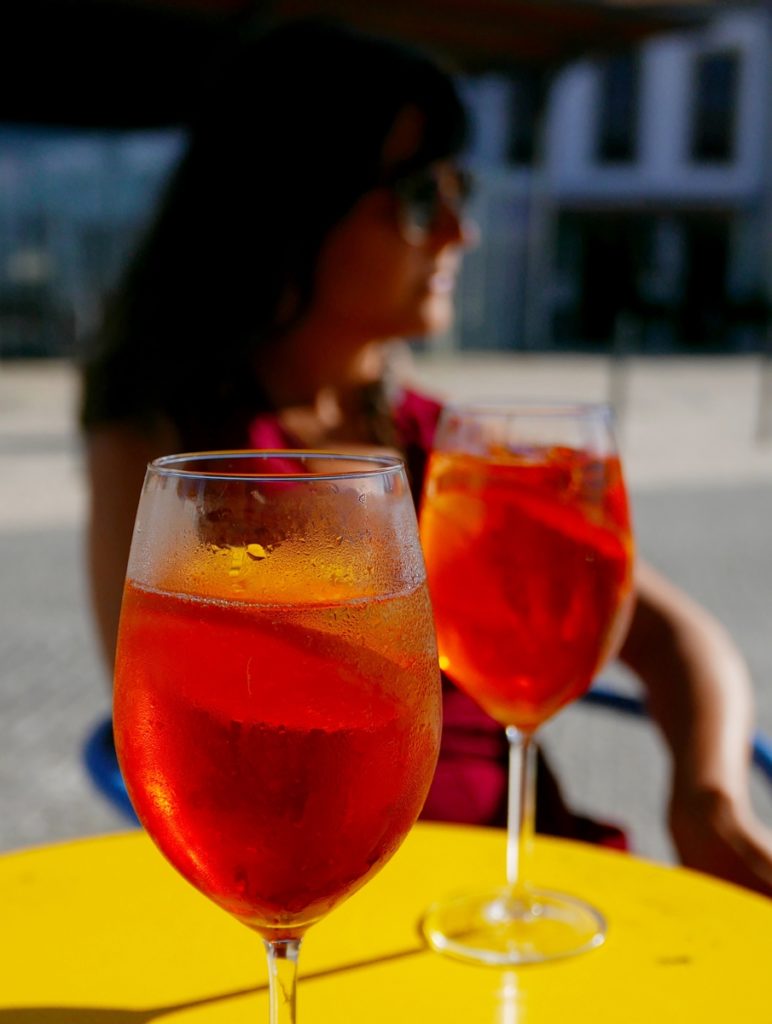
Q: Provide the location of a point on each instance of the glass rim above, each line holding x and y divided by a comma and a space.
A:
513, 407
174, 465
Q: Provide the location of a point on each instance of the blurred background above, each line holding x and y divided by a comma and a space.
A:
622, 154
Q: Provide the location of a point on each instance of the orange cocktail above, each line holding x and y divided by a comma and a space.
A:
529, 560
277, 755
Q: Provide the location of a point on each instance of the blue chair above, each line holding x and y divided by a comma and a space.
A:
102, 764
102, 768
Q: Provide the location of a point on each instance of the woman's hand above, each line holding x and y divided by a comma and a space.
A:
712, 833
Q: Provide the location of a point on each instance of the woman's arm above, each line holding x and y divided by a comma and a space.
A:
116, 458
699, 693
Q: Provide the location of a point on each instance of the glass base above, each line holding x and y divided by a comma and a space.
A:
500, 927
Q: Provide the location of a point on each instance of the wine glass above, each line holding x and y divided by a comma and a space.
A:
277, 699
527, 539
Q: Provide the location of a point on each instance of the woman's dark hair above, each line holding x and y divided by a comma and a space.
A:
289, 135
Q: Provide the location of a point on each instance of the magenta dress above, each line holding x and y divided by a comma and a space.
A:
470, 784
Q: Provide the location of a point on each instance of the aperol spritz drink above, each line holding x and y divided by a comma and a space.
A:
526, 532
543, 538
277, 702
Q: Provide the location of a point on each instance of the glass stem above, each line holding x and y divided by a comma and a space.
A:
282, 978
521, 806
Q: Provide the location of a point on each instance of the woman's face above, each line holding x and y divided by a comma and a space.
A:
389, 268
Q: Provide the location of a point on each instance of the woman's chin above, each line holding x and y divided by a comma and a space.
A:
438, 314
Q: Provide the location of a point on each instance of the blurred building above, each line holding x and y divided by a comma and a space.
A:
72, 206
626, 202
629, 201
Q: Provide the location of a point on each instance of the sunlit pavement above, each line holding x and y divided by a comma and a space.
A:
701, 482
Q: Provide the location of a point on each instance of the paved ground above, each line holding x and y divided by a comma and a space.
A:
702, 493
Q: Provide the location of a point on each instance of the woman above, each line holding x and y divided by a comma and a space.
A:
317, 214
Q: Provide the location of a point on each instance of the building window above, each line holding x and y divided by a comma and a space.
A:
617, 139
526, 94
716, 80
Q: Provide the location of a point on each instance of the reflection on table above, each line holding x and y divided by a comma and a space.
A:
104, 932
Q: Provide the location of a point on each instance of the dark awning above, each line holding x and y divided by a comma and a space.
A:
134, 63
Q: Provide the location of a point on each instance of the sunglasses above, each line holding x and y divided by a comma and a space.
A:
422, 196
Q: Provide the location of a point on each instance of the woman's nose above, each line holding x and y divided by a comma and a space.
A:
455, 227
470, 231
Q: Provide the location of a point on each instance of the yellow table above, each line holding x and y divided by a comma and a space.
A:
103, 931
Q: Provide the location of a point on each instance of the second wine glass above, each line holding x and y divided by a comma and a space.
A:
527, 538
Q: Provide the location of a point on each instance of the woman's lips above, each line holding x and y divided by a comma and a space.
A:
442, 281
